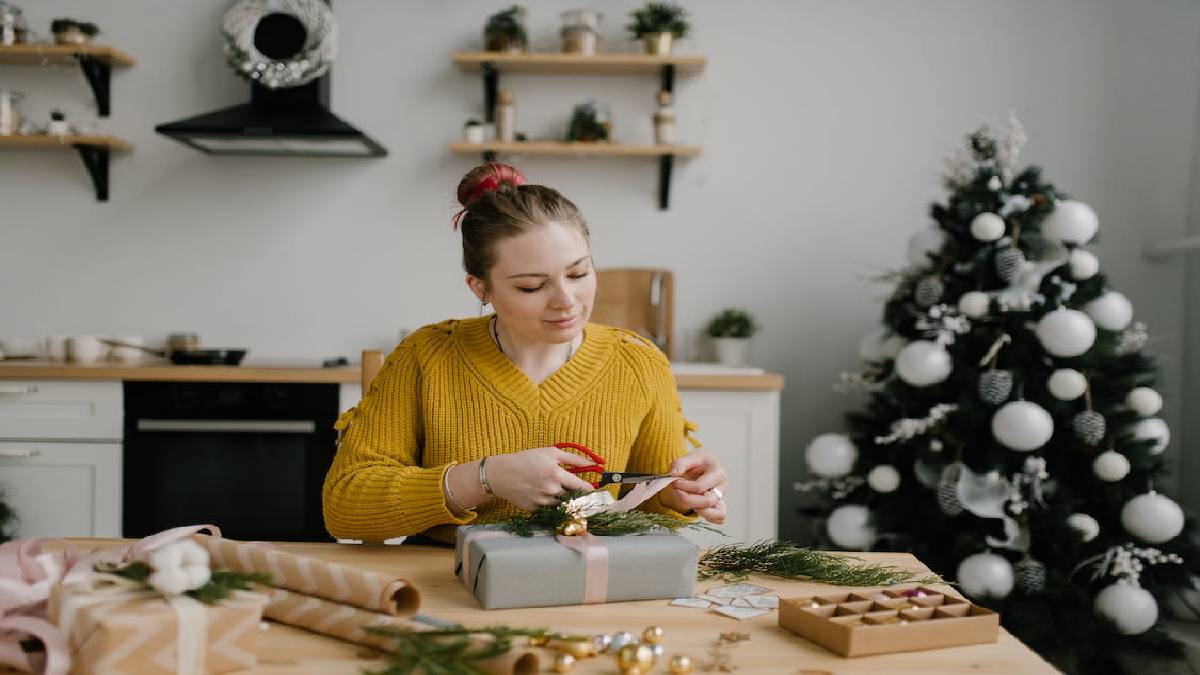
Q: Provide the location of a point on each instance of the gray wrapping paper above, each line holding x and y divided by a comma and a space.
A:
506, 571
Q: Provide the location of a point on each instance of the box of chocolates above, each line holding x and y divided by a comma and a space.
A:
858, 623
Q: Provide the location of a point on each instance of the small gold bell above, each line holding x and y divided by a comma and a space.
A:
574, 527
539, 640
637, 655
579, 649
653, 635
563, 663
680, 663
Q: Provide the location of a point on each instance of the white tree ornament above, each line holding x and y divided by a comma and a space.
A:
986, 575
884, 478
1111, 466
922, 363
1071, 222
831, 455
1066, 332
1022, 425
1144, 401
1132, 608
849, 526
974, 304
987, 227
1066, 384
1086, 525
1153, 429
1084, 265
1152, 517
1110, 311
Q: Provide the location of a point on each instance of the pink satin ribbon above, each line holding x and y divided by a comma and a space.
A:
595, 565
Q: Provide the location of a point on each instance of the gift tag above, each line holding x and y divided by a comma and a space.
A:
741, 613
697, 603
736, 590
763, 601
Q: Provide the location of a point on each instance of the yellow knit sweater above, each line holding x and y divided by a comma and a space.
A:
448, 395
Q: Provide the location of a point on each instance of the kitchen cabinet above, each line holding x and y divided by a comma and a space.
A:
60, 456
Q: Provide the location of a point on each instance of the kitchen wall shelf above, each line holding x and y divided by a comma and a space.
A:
94, 150
95, 61
491, 64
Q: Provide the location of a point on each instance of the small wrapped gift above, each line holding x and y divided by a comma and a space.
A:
503, 570
113, 626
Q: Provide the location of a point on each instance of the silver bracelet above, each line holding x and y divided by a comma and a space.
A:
483, 477
455, 505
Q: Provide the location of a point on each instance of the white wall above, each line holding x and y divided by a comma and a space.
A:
823, 126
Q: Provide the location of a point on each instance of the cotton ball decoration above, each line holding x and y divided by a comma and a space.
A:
974, 304
1110, 311
1084, 264
1152, 517
987, 227
1066, 332
1145, 401
922, 363
1022, 426
1066, 384
1111, 466
1086, 525
1071, 222
831, 455
1153, 429
986, 575
849, 527
870, 347
1130, 607
923, 242
884, 478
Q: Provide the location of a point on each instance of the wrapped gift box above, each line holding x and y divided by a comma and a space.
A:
112, 633
503, 570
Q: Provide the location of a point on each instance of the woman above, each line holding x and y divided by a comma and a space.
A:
461, 421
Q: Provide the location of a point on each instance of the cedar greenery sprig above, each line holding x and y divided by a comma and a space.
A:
454, 650
735, 562
600, 524
221, 585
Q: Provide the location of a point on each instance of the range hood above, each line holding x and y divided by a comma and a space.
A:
277, 121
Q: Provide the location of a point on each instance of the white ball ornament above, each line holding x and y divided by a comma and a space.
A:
1022, 425
1132, 608
1111, 466
1066, 332
870, 347
1110, 311
986, 575
849, 527
1066, 384
987, 227
1144, 401
923, 242
1084, 264
884, 478
1086, 525
974, 304
1152, 517
1071, 222
922, 363
831, 455
1153, 429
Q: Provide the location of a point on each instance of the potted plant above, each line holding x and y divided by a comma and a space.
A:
505, 31
72, 32
658, 23
730, 331
591, 122
473, 131
58, 124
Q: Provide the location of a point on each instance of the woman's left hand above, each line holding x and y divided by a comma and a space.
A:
700, 488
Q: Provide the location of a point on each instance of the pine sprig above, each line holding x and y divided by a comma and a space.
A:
600, 524
786, 560
455, 650
220, 586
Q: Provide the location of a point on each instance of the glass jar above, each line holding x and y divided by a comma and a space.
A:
13, 28
581, 31
10, 117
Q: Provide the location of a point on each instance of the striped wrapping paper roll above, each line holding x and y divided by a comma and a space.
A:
348, 623
338, 583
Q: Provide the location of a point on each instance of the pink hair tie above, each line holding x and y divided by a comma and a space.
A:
488, 184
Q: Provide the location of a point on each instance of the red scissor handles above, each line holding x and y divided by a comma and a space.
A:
598, 467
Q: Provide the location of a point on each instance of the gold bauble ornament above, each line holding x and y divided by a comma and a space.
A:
632, 670
563, 663
539, 640
573, 527
580, 649
680, 663
638, 655
653, 635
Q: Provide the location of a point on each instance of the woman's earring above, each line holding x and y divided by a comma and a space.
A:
482, 302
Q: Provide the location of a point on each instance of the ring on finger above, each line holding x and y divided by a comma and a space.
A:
720, 495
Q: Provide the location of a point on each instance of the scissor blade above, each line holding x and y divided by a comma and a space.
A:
615, 477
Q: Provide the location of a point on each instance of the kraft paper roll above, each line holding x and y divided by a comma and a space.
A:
338, 583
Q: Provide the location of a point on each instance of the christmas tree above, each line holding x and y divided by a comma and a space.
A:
1009, 437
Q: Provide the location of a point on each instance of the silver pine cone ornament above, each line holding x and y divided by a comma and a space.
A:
1010, 263
1030, 576
1089, 427
929, 291
995, 386
947, 492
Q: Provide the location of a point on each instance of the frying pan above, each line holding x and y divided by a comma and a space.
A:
190, 357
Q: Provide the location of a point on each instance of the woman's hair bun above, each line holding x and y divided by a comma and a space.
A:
487, 178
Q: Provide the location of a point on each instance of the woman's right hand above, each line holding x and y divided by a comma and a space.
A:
532, 478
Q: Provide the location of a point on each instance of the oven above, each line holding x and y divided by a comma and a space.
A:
249, 458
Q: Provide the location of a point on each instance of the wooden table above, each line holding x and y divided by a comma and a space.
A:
283, 649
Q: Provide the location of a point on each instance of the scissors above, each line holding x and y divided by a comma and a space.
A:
606, 477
